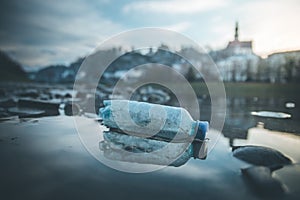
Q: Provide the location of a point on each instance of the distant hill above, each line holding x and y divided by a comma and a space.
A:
57, 73
102, 58
10, 70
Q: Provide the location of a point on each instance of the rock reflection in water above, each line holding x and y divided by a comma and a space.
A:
275, 156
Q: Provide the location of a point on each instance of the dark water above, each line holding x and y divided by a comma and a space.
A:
239, 119
43, 158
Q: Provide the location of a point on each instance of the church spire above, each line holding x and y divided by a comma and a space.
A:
236, 35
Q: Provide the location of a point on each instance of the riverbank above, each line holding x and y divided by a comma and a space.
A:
253, 89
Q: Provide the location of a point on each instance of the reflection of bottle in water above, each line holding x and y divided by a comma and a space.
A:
122, 147
140, 118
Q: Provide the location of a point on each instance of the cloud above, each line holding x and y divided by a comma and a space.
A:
173, 6
178, 27
273, 26
69, 28
39, 33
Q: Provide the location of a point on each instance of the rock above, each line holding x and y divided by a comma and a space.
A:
260, 179
3, 113
44, 97
262, 156
49, 107
7, 103
27, 113
71, 109
30, 93
68, 96
7, 117
58, 96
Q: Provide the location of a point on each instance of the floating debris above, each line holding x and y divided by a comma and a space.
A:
290, 105
271, 114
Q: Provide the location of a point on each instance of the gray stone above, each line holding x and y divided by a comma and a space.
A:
71, 109
49, 107
27, 113
262, 156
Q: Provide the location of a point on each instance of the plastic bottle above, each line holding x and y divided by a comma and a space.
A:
152, 120
122, 147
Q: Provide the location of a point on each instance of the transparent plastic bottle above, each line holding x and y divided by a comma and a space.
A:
152, 120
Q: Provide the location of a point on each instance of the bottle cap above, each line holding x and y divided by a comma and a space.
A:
201, 129
200, 149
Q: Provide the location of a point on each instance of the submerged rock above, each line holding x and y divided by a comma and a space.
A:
262, 156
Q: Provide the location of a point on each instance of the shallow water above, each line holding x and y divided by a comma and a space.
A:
43, 158
40, 161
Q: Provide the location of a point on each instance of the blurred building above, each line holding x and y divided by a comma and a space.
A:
237, 47
284, 66
237, 62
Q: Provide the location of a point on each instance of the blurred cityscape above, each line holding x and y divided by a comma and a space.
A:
236, 63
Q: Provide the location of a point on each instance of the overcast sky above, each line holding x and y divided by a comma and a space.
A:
39, 33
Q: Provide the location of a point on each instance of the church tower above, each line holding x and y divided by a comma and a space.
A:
236, 35
238, 47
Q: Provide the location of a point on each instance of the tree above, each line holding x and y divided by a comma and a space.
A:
289, 68
190, 75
